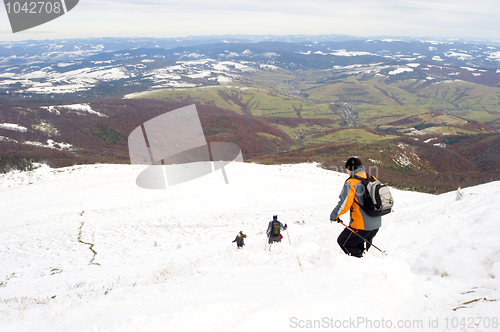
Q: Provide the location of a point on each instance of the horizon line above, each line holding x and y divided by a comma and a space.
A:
266, 36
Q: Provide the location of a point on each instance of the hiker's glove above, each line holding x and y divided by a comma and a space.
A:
286, 225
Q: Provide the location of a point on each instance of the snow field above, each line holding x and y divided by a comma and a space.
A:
165, 261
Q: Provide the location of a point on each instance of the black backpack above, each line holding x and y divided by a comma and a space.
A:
377, 199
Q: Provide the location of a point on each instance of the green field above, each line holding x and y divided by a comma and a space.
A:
348, 101
258, 102
350, 136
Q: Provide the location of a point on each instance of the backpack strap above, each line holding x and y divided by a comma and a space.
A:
363, 180
369, 177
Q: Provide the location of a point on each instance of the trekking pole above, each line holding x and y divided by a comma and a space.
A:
288, 236
349, 228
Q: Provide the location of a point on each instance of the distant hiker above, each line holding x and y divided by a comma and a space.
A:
239, 240
363, 224
274, 230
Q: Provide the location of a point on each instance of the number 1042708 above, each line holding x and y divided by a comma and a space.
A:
33, 7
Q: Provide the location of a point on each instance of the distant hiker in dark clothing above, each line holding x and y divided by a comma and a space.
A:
351, 198
239, 240
274, 230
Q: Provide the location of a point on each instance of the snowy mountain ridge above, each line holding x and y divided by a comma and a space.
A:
125, 66
84, 249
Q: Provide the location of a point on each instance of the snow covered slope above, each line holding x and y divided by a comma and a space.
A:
84, 249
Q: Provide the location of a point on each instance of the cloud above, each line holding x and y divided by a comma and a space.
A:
168, 18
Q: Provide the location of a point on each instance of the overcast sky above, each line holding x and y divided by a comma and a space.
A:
180, 18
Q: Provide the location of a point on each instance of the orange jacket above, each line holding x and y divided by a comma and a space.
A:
350, 199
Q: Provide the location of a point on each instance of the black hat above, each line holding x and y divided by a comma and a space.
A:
353, 163
275, 218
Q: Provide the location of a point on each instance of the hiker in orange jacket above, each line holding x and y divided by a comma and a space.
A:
351, 198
